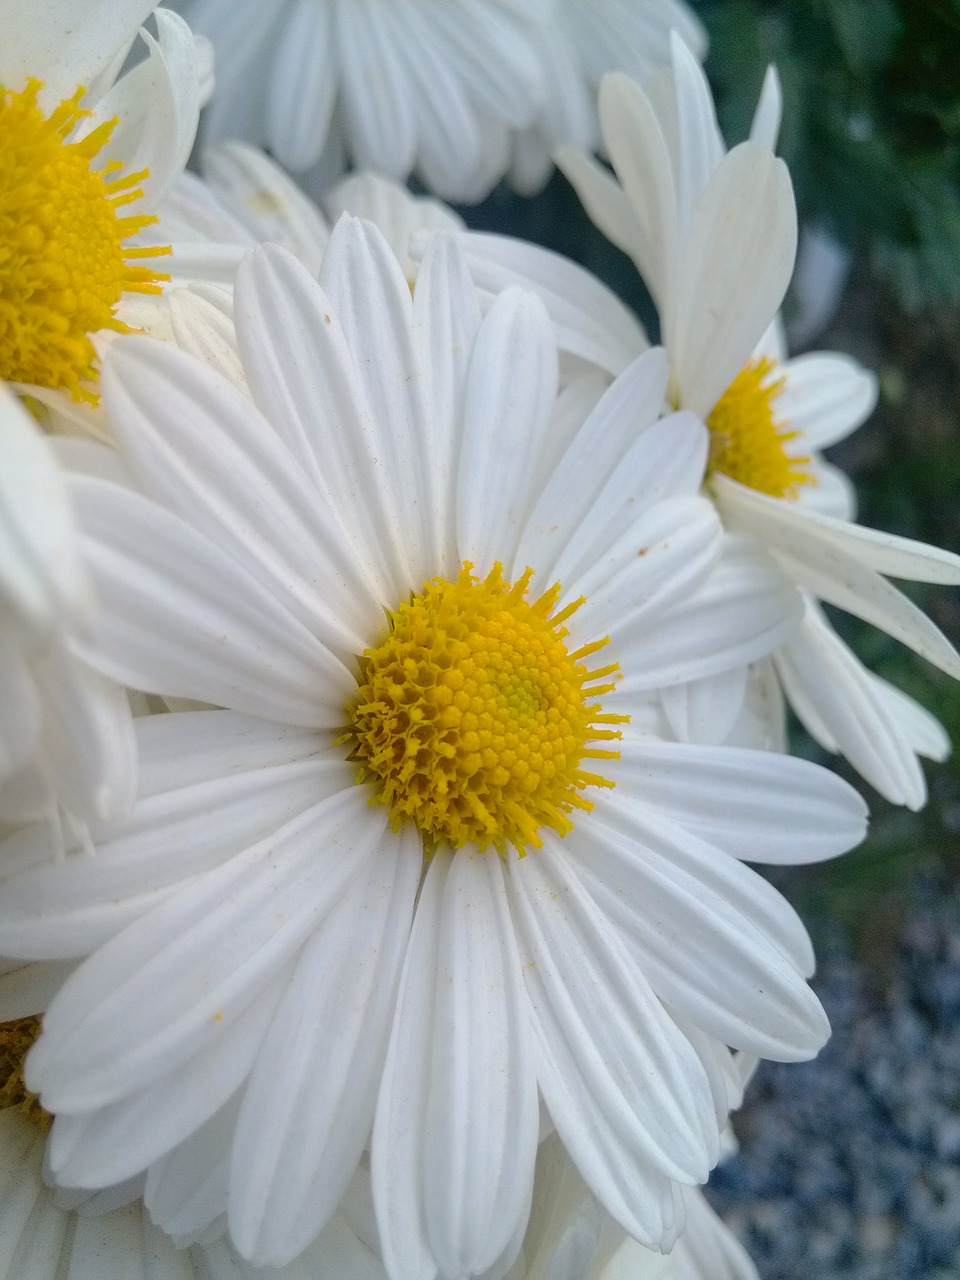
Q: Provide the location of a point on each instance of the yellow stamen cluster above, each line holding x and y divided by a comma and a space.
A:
747, 442
472, 718
16, 1039
63, 262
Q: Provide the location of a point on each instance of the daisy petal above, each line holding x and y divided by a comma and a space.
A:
754, 805
807, 535
119, 1140
511, 387
825, 396
843, 707
741, 612
615, 1073
308, 1107
745, 234
206, 951
717, 942
181, 618
197, 445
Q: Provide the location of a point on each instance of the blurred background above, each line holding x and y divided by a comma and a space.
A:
850, 1166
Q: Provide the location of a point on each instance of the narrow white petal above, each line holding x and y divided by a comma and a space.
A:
446, 318
308, 1108
801, 533
181, 617
482, 1119
716, 942
197, 445
705, 710
844, 707
372, 303
754, 805
624, 1088
743, 242
511, 388
206, 951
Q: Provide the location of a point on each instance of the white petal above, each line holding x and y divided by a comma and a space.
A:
206, 951
40, 569
66, 43
446, 317
511, 388
825, 396
117, 1141
742, 245
843, 707
267, 199
303, 84
198, 446
308, 1107
740, 612
754, 805
705, 710
624, 1088
589, 319
801, 533
714, 939
180, 617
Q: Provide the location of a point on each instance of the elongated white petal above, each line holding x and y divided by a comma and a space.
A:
206, 951
308, 1107
589, 320
446, 318
805, 534
197, 445
117, 1141
715, 941
372, 303
66, 42
740, 612
181, 617
844, 707
511, 387
601, 1032
742, 245
753, 804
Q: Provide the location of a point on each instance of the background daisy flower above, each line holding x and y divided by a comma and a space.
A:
713, 234
425, 86
419, 871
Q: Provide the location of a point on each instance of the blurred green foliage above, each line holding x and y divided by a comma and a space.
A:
871, 121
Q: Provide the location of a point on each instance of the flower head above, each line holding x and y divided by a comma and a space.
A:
418, 879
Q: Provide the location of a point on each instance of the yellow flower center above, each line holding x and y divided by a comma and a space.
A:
473, 719
63, 262
747, 443
16, 1039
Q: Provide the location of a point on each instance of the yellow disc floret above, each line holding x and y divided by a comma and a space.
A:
63, 261
747, 442
16, 1039
473, 719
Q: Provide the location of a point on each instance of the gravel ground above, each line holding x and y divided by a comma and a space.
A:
850, 1165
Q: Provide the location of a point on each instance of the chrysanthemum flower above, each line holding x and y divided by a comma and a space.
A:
420, 868
714, 235
84, 159
65, 733
431, 86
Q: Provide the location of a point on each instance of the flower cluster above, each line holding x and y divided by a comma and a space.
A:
397, 646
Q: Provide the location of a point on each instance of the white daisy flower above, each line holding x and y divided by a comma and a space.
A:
714, 236
86, 158
584, 40
426, 86
420, 868
65, 732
